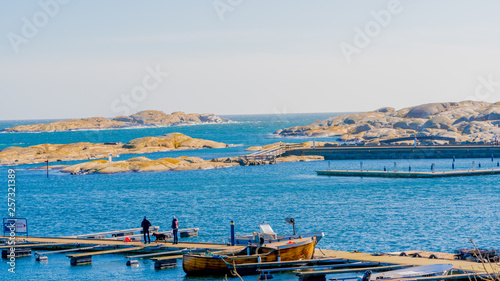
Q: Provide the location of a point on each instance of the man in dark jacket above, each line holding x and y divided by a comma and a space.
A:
145, 229
175, 229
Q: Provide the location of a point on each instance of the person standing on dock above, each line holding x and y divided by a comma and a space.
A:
175, 230
145, 229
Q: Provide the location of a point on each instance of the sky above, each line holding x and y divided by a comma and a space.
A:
72, 59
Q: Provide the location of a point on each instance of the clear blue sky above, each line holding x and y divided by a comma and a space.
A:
264, 56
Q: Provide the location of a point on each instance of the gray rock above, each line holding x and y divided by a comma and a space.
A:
475, 127
492, 113
362, 128
426, 110
387, 110
439, 122
402, 125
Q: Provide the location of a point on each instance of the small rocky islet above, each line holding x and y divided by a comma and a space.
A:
97, 151
142, 118
86, 150
182, 163
468, 122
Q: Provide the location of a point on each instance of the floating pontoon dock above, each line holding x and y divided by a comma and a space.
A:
398, 174
325, 262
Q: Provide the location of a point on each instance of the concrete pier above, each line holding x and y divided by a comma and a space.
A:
399, 152
392, 174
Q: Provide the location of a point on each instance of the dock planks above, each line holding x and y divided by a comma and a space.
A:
402, 260
48, 241
130, 249
354, 270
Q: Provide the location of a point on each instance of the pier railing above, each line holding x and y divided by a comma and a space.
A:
270, 153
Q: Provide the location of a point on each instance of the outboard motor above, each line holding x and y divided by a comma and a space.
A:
366, 275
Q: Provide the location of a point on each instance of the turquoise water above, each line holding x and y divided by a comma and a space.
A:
364, 214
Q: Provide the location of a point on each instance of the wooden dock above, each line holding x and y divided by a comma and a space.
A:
48, 241
326, 262
388, 261
110, 246
398, 174
401, 260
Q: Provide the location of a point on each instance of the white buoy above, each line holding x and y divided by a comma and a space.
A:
42, 258
132, 262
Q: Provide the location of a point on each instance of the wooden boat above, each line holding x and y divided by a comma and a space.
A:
416, 271
221, 262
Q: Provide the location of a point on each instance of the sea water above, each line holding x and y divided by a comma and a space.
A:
363, 214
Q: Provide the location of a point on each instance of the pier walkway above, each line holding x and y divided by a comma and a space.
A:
398, 174
399, 152
269, 154
399, 260
48, 242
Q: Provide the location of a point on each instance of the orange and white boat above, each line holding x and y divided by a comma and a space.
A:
222, 262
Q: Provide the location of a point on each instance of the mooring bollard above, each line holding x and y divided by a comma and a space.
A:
232, 233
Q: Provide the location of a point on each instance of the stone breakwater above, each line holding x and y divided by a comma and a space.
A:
143, 118
467, 122
85, 150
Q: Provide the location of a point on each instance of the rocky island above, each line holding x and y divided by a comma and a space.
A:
467, 122
144, 164
142, 118
182, 163
85, 150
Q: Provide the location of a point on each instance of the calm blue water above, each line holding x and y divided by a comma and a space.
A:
364, 214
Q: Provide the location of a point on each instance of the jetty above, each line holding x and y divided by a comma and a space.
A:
268, 155
401, 174
92, 247
165, 254
398, 152
463, 270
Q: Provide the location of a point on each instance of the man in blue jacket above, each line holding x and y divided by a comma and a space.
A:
145, 229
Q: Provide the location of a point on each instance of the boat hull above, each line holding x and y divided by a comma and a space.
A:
200, 264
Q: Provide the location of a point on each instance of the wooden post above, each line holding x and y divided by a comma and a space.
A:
47, 167
232, 233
